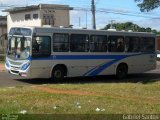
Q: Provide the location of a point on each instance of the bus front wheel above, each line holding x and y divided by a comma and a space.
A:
58, 73
122, 71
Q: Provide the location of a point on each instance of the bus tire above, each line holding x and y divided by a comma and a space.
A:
121, 71
58, 73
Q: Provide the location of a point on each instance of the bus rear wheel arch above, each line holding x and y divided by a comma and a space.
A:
122, 70
59, 72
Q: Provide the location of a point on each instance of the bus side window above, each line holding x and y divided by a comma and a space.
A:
35, 45
41, 46
116, 44
128, 44
60, 42
79, 42
120, 45
147, 44
98, 43
132, 44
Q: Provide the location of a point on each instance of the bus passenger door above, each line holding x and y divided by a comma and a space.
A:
41, 57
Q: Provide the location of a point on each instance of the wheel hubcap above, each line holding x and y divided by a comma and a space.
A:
57, 74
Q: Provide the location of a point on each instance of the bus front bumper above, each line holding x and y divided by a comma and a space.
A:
17, 71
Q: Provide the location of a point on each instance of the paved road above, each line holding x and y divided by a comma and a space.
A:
7, 80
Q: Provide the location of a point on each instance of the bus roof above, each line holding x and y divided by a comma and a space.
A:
89, 31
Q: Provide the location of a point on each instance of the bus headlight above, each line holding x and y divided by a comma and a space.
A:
7, 64
25, 66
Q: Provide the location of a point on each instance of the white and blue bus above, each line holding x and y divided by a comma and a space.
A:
48, 52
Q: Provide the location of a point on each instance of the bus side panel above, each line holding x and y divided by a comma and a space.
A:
87, 67
101, 67
141, 63
74, 67
136, 64
40, 68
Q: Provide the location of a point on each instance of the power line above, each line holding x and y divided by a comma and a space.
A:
127, 14
97, 2
102, 10
116, 12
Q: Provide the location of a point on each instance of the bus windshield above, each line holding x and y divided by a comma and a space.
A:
19, 47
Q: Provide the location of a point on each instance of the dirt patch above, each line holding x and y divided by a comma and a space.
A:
60, 91
158, 62
84, 93
2, 68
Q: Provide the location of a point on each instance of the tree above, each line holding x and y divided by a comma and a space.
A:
155, 31
148, 29
142, 29
129, 26
147, 5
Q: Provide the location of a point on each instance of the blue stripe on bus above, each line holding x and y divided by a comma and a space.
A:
83, 57
92, 69
96, 70
103, 67
80, 57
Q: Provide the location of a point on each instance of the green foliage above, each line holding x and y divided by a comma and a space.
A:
130, 26
111, 98
2, 59
147, 5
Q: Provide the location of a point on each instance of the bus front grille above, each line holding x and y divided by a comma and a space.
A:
15, 72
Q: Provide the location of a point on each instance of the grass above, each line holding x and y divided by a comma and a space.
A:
87, 100
2, 59
2, 62
110, 98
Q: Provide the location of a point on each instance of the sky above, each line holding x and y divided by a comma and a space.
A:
106, 11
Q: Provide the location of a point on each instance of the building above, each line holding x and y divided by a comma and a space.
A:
39, 15
3, 25
158, 42
3, 33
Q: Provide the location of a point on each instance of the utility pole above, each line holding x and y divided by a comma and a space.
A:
93, 14
112, 24
79, 22
86, 19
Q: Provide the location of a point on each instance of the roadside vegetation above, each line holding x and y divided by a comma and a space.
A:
87, 98
2, 60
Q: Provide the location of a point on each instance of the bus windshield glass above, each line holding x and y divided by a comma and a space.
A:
20, 31
19, 47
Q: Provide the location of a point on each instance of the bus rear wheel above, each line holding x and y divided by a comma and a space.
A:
58, 73
122, 71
